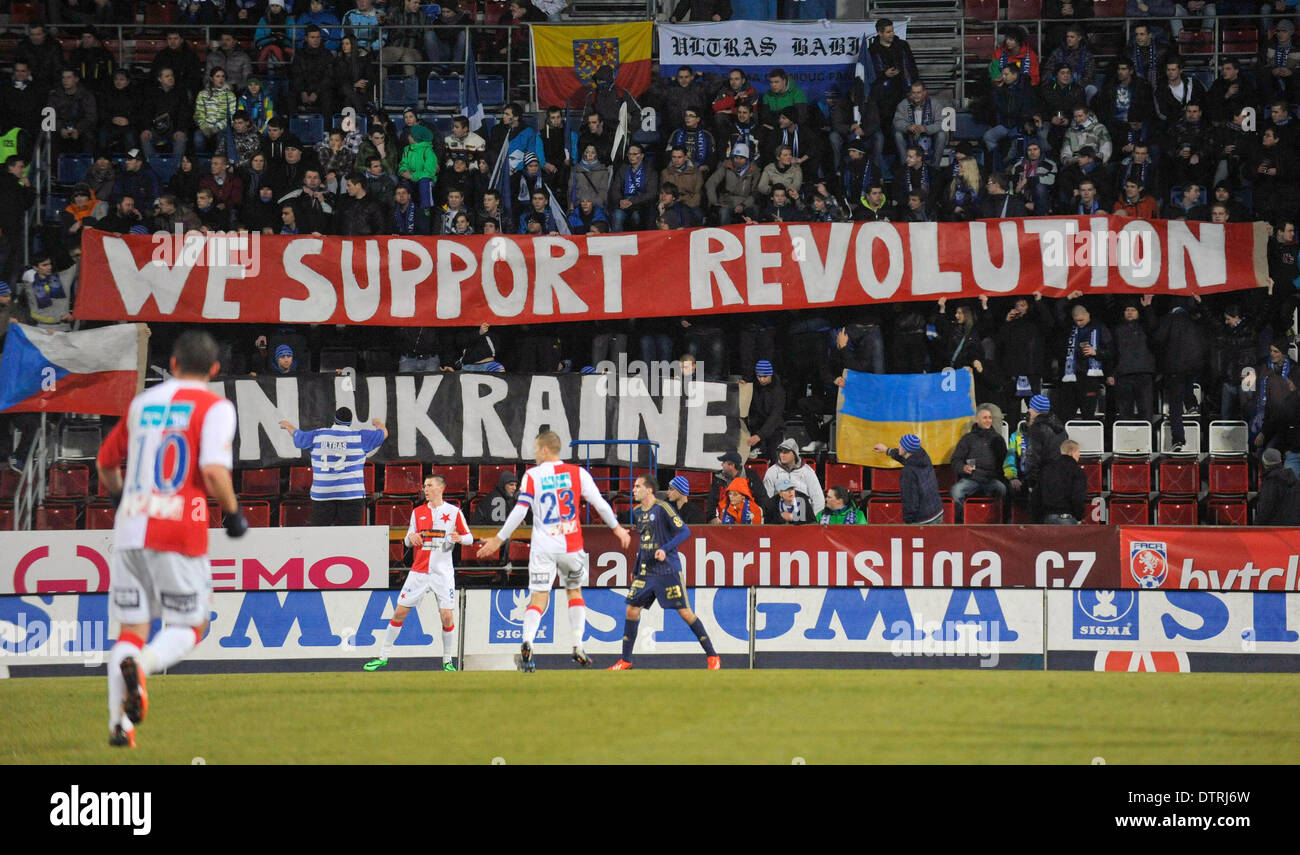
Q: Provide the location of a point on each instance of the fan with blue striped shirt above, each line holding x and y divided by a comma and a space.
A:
338, 461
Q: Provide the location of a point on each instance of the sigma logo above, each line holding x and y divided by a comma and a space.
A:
506, 624
1109, 615
1148, 561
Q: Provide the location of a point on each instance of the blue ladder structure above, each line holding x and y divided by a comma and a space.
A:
652, 466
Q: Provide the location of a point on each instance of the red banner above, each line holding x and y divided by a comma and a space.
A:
398, 281
993, 556
1218, 558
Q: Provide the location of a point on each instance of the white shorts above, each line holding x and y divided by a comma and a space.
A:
146, 584
441, 585
543, 567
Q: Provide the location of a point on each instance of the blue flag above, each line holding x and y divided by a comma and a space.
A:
473, 104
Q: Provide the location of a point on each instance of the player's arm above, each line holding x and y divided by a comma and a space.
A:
112, 454
680, 530
592, 494
216, 462
413, 537
463, 536
513, 521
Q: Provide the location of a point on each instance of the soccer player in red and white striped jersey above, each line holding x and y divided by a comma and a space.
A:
552, 490
176, 442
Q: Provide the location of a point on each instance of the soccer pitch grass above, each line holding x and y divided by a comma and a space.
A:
656, 716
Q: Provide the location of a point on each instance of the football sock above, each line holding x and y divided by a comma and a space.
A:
390, 636
630, 628
698, 629
448, 642
127, 645
578, 620
168, 647
532, 620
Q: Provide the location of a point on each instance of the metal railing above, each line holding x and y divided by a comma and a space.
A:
31, 481
1209, 49
652, 464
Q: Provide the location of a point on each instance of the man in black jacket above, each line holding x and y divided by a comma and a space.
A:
1181, 342
1088, 350
977, 462
493, 508
360, 213
311, 76
1134, 367
1279, 493
1021, 350
183, 61
918, 485
766, 410
1063, 488
1236, 346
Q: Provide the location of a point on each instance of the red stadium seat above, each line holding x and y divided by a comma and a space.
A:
979, 45
56, 517
1241, 41
1223, 510
846, 475
295, 512
758, 467
489, 474
981, 10
887, 481
1024, 10
1125, 510
1179, 477
368, 476
457, 479
495, 11
1108, 8
944, 476
700, 482
257, 511
622, 508
884, 511
9, 483
69, 481
24, 13
1229, 476
99, 516
6, 518
949, 510
606, 479
1094, 512
518, 552
982, 511
403, 477
1091, 467
396, 552
1176, 512
1196, 41
158, 14
147, 49
300, 480
393, 512
1020, 514
1130, 477
101, 489
260, 482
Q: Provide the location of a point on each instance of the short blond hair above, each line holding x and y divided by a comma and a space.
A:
1069, 447
550, 440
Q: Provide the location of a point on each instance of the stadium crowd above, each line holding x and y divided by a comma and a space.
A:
1147, 140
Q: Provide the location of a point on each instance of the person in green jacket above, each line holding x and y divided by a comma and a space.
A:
420, 164
781, 92
212, 111
840, 509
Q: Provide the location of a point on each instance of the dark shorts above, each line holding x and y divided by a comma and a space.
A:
669, 589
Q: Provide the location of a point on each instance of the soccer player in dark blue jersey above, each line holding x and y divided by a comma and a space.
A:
659, 573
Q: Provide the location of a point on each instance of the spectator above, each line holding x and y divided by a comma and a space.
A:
311, 76
918, 485
1133, 371
173, 213
288, 175
1042, 438
1056, 98
446, 42
1236, 348
1279, 492
1063, 496
1136, 202
1034, 179
80, 212
185, 64
540, 208
977, 462
379, 183
123, 218
783, 208
739, 506
698, 143
463, 139
787, 506
875, 206
381, 145
806, 145
633, 192
94, 65
606, 98
730, 468
75, 115
227, 189
591, 178
678, 495
360, 213
480, 352
354, 75
119, 106
1125, 103
1075, 55
244, 140
788, 464
260, 212
1139, 167
363, 22
735, 92
409, 217
584, 215
491, 211
212, 111
1182, 356
685, 91
517, 138
1147, 52
782, 93
42, 55
962, 198
856, 174
1231, 92
419, 164
1273, 170
232, 60
334, 158
211, 217
853, 118
101, 176
894, 70
405, 34
840, 509
313, 205
998, 202
1271, 408
446, 216
1282, 59
1085, 132
16, 198
918, 120
22, 100
338, 459
49, 300
1088, 350
783, 171
1015, 51
688, 180
1014, 102
493, 508
1177, 91
330, 26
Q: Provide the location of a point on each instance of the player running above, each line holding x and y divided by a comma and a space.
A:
436, 527
552, 490
176, 442
659, 570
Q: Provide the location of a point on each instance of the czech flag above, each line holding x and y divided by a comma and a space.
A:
96, 371
883, 407
567, 57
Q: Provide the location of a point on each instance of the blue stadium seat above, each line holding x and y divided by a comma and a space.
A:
72, 168
968, 128
310, 128
54, 206
492, 89
443, 91
164, 167
401, 92
361, 122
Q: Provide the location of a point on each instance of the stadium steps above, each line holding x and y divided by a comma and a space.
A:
601, 11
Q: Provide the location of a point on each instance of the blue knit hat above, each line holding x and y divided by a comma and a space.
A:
762, 368
911, 443
588, 369
681, 485
495, 366
1040, 403
283, 350
4, 289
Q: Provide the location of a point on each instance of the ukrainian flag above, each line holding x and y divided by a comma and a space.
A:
882, 407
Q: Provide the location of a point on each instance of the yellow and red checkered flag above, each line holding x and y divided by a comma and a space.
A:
567, 57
